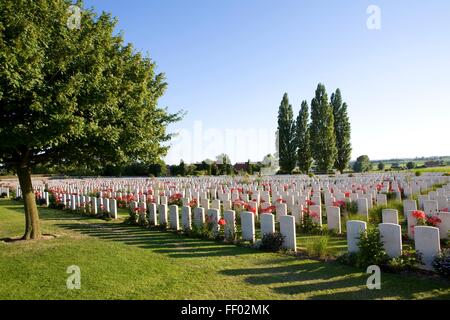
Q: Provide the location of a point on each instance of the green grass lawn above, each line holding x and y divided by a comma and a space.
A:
118, 261
436, 169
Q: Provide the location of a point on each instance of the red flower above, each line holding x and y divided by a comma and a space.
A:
314, 214
222, 222
434, 221
268, 209
193, 203
444, 210
339, 203
418, 214
281, 200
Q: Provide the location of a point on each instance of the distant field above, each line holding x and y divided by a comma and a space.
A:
437, 169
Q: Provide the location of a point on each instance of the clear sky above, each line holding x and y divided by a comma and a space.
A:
228, 63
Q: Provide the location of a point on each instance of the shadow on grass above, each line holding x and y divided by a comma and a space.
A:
320, 280
46, 213
171, 244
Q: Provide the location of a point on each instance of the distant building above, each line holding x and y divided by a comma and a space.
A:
241, 166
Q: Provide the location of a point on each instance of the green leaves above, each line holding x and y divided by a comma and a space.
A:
286, 136
75, 96
303, 139
342, 131
323, 140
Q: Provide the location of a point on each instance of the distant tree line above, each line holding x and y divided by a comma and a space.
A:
160, 169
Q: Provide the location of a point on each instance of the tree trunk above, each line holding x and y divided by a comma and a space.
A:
32, 223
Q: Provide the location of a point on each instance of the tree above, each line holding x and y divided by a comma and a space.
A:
286, 135
224, 164
323, 140
249, 167
381, 166
304, 158
362, 164
214, 169
73, 97
410, 165
342, 131
182, 169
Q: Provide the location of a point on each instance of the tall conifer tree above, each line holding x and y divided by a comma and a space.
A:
323, 140
342, 131
304, 159
286, 135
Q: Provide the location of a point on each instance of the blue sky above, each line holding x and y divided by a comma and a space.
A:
228, 63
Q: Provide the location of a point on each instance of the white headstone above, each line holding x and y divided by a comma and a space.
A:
199, 216
267, 222
334, 219
363, 208
152, 214
248, 226
174, 217
427, 242
162, 209
354, 229
287, 229
391, 237
186, 218
230, 225
390, 216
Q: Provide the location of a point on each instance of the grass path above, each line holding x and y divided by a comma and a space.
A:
126, 262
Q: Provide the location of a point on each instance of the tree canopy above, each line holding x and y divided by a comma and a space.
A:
74, 96
286, 136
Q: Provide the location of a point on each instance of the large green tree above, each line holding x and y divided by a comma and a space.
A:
73, 96
286, 136
304, 158
362, 164
342, 131
323, 140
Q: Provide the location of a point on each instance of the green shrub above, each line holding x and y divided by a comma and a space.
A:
441, 263
272, 242
418, 173
348, 259
371, 250
376, 214
202, 232
317, 247
308, 226
351, 207
406, 262
41, 202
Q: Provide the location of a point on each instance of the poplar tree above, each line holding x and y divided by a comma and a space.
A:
286, 136
323, 140
304, 159
342, 131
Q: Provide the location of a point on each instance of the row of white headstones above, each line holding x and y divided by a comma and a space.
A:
363, 190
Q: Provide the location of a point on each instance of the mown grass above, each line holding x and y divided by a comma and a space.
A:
434, 169
119, 261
